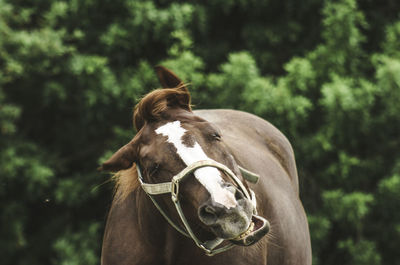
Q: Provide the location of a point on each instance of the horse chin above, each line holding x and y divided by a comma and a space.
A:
258, 228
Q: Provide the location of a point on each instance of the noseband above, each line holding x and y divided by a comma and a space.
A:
173, 187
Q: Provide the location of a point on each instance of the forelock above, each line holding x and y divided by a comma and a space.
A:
156, 103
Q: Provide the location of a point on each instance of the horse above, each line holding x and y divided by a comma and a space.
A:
203, 187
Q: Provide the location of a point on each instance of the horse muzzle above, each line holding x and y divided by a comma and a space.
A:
239, 225
227, 222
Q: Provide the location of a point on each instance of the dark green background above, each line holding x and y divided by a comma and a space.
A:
327, 73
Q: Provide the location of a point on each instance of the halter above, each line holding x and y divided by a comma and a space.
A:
173, 187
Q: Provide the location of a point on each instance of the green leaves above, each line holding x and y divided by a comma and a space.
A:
389, 188
348, 209
236, 76
326, 73
78, 248
363, 252
8, 115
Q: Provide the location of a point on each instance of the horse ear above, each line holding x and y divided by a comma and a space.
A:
122, 159
181, 96
167, 78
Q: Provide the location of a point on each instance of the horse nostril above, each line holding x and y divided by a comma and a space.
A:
208, 215
239, 195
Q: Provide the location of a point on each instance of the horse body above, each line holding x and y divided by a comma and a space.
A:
136, 233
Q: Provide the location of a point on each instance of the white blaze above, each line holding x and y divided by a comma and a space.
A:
209, 177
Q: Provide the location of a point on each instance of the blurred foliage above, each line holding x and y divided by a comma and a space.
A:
327, 73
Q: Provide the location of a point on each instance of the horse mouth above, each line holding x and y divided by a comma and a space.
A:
258, 228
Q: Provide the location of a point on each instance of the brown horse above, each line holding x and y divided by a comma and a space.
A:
183, 195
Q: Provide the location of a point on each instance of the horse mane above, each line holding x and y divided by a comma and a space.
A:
126, 181
150, 108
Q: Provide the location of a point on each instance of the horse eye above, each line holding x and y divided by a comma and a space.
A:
153, 169
216, 136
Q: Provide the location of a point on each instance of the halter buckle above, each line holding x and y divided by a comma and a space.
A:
174, 189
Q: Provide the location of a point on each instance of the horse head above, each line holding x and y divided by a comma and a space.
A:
171, 138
